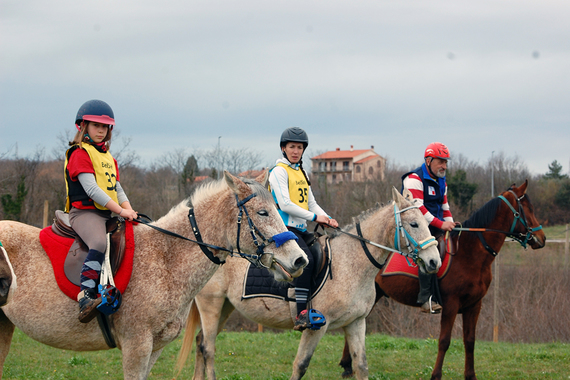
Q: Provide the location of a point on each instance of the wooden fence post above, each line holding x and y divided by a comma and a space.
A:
46, 210
259, 327
566, 248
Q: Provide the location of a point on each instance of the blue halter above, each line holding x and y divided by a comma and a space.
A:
413, 247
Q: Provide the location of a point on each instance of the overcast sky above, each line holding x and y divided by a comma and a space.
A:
480, 76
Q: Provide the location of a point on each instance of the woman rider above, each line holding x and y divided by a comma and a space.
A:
291, 190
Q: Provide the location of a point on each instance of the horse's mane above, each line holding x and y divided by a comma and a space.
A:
484, 216
361, 217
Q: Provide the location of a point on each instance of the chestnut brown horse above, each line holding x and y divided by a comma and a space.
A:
469, 276
167, 273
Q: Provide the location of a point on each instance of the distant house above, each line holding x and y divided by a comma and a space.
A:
356, 165
251, 173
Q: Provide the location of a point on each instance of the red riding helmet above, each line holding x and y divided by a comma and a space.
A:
437, 150
97, 111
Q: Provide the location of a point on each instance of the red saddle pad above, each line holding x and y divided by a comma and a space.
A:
57, 247
398, 265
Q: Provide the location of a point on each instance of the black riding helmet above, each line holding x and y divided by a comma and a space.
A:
97, 111
294, 134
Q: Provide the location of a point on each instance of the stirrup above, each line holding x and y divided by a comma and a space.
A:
316, 319
438, 308
110, 299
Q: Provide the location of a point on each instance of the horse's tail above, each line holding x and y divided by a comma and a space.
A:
192, 324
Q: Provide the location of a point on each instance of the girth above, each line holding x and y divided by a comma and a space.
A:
78, 250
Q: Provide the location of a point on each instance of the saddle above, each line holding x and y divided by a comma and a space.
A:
447, 243
259, 282
78, 250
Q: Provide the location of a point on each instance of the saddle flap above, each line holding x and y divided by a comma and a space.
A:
77, 253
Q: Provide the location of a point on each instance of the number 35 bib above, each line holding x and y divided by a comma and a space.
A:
298, 186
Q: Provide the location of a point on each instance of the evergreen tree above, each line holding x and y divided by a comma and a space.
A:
461, 191
555, 171
13, 207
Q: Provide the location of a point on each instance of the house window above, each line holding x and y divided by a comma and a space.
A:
378, 163
333, 166
322, 166
345, 166
334, 178
371, 170
358, 169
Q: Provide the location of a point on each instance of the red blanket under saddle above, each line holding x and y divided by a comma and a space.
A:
397, 265
57, 247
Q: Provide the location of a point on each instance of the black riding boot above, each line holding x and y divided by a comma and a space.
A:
428, 304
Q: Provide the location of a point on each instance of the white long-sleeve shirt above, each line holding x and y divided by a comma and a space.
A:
292, 214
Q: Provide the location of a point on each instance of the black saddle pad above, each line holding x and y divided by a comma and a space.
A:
259, 282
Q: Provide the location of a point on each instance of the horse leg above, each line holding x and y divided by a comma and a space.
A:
307, 346
470, 318
355, 336
346, 361
153, 358
214, 314
6, 332
137, 354
447, 320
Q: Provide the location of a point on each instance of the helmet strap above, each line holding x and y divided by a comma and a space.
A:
429, 167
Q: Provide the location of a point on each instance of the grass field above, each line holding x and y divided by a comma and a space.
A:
245, 355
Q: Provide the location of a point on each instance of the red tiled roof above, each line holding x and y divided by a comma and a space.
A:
200, 178
341, 154
366, 159
251, 173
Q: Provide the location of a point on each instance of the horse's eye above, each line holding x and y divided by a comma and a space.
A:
414, 224
263, 213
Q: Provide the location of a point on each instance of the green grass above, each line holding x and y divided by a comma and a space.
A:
246, 356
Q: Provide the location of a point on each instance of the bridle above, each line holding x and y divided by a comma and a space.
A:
519, 217
413, 247
278, 239
259, 240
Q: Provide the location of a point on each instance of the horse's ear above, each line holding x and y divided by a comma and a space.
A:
263, 178
397, 197
236, 184
524, 187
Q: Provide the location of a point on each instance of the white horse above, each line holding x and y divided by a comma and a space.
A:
167, 274
345, 299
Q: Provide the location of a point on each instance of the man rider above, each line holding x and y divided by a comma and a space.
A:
427, 184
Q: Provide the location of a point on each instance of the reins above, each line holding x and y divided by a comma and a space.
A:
413, 247
255, 259
519, 216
